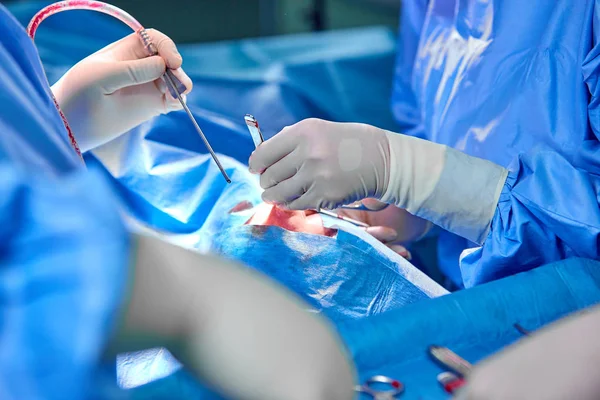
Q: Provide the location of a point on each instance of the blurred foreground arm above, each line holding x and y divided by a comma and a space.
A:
233, 329
559, 363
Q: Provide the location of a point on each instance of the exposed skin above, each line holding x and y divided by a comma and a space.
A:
292, 220
385, 223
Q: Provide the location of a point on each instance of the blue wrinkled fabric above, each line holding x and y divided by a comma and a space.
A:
63, 264
344, 277
516, 83
25, 97
475, 323
63, 247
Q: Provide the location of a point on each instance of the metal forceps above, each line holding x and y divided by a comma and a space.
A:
397, 388
359, 206
176, 88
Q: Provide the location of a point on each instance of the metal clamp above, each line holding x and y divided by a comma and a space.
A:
397, 388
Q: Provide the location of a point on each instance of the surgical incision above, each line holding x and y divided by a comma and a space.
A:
291, 220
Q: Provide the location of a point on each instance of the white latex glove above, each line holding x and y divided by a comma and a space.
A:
560, 363
321, 164
316, 163
233, 328
118, 88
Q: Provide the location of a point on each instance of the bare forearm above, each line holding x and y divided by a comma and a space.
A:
160, 289
228, 324
559, 362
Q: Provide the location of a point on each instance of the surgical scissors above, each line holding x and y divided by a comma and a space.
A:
397, 388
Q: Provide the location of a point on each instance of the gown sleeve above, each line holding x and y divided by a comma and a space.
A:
548, 210
404, 100
549, 206
63, 267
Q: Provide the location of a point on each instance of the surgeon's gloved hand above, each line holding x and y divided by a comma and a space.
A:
321, 164
118, 88
559, 363
316, 163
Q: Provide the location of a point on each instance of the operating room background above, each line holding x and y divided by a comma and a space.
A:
202, 21
194, 21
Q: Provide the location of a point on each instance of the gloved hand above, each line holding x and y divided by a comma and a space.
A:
118, 88
320, 164
391, 225
559, 363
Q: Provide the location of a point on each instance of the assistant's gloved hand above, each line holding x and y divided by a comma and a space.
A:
118, 88
391, 225
320, 164
559, 363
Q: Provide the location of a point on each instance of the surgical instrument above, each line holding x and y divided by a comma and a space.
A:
359, 206
450, 382
176, 88
397, 388
522, 330
450, 360
347, 219
252, 123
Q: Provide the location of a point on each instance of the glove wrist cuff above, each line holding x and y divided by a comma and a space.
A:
445, 186
464, 200
415, 167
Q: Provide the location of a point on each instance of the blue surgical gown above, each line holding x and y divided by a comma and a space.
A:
63, 247
515, 82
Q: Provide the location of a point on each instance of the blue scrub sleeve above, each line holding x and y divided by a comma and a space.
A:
549, 207
548, 210
63, 263
405, 106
